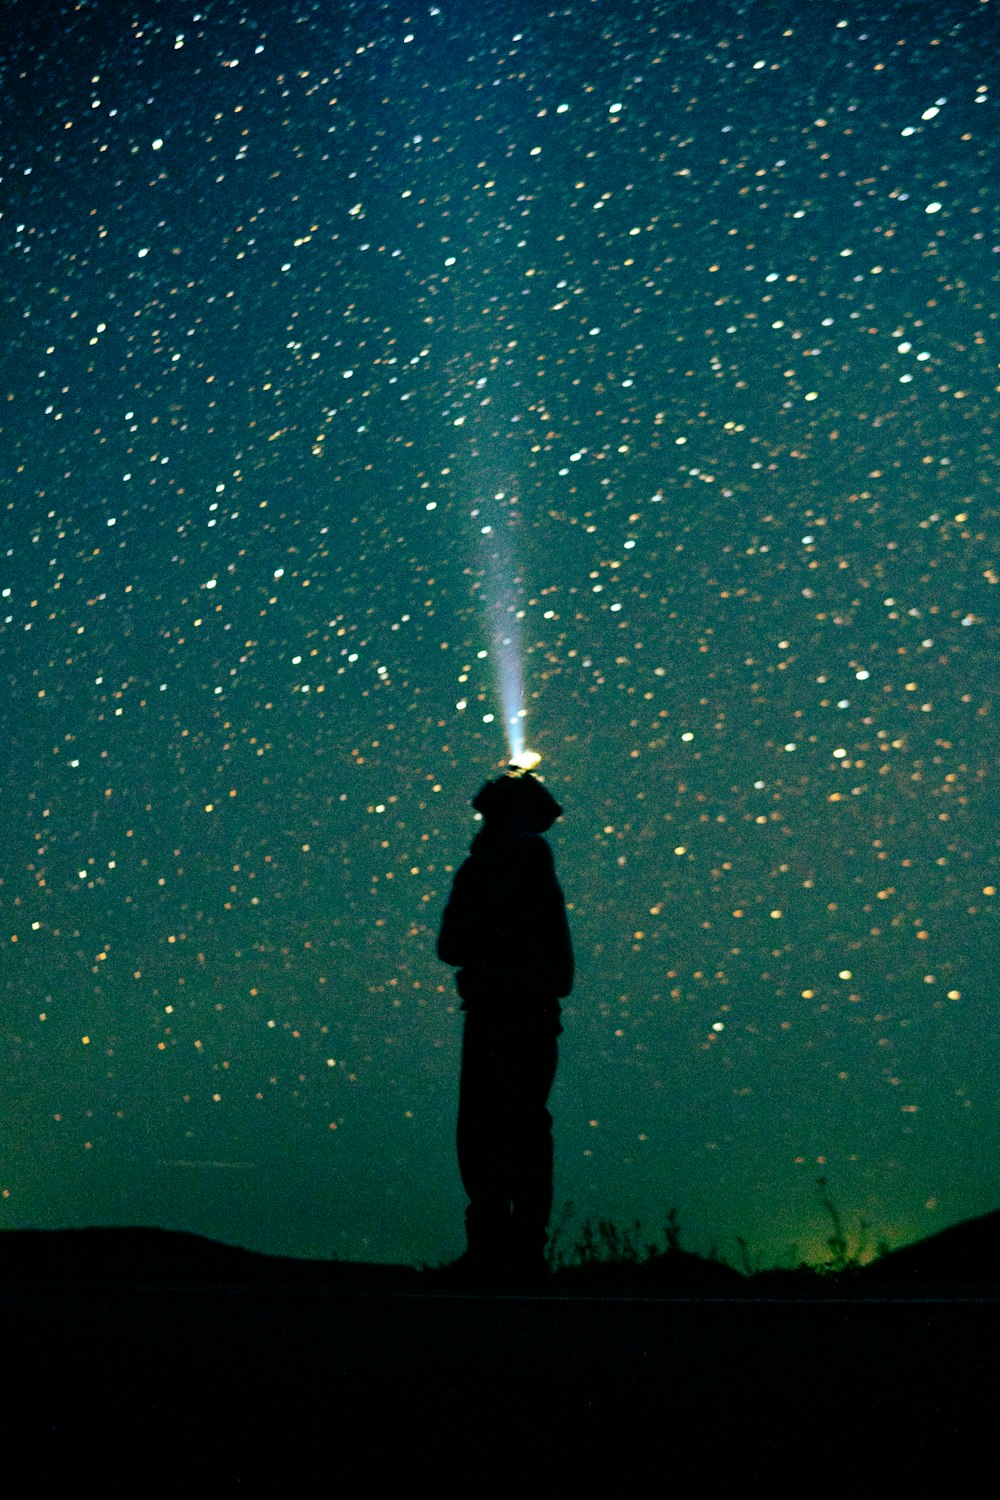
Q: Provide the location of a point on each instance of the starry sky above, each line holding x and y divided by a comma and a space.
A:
345, 342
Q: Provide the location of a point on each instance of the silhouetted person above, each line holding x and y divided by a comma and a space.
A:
505, 928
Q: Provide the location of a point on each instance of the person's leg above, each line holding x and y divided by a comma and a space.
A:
531, 1151
482, 1155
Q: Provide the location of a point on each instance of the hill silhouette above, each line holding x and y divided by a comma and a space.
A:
170, 1257
964, 1258
960, 1261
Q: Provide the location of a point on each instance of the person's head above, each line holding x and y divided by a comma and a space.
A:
520, 802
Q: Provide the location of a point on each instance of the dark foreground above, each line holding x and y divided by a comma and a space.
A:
383, 1377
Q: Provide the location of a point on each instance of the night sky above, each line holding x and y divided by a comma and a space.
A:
694, 308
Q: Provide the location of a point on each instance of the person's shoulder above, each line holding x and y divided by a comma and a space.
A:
469, 871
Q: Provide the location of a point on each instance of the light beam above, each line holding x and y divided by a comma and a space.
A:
501, 591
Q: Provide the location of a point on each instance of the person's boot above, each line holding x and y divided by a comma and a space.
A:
527, 1258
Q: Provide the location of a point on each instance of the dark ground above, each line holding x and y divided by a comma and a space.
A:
371, 1375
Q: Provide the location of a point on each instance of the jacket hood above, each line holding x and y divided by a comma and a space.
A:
517, 802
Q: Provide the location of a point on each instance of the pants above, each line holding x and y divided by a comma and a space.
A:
505, 1131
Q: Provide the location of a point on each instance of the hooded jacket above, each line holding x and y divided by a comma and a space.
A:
505, 924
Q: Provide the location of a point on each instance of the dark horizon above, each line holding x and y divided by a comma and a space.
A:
695, 311
958, 1262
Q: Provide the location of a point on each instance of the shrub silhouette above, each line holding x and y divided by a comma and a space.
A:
843, 1255
602, 1249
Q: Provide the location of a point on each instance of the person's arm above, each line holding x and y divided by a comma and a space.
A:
459, 926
